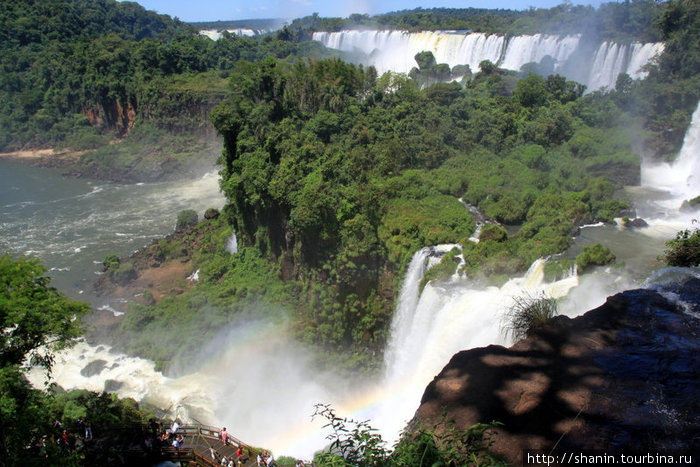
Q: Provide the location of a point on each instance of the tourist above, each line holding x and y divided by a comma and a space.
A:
155, 427
239, 455
179, 442
224, 436
88, 429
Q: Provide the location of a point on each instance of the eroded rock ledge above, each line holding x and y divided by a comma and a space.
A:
624, 377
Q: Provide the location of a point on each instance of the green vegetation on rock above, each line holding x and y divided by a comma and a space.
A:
594, 255
684, 250
528, 313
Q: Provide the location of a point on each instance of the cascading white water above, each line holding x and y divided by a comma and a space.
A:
527, 49
232, 244
682, 177
447, 317
395, 51
187, 398
611, 59
608, 63
215, 34
641, 55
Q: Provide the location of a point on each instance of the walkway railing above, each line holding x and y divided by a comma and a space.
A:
205, 441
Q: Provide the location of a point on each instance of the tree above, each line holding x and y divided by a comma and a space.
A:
35, 319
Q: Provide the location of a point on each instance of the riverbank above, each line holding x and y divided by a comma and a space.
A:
146, 157
44, 157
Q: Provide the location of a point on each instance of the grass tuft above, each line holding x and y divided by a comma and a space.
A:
526, 314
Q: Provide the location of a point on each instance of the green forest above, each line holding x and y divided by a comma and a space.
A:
334, 176
81, 74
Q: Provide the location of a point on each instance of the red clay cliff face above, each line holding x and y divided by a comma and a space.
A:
114, 114
622, 378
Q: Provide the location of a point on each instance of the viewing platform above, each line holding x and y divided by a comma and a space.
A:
202, 446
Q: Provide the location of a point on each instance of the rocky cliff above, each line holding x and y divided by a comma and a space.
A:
623, 378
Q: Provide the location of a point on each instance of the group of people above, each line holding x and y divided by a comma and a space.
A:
168, 437
235, 459
265, 459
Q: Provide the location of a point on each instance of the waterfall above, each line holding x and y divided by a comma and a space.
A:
215, 34
232, 243
447, 317
607, 64
612, 59
395, 51
681, 178
526, 49
640, 55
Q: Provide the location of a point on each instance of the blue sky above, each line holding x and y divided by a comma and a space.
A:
212, 10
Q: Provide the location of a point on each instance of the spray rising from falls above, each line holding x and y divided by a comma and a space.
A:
395, 51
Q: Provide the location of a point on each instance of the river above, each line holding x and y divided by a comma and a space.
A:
71, 224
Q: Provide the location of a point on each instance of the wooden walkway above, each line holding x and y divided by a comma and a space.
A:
200, 441
203, 439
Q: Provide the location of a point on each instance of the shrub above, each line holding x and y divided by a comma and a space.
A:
594, 255
684, 250
444, 269
493, 232
186, 219
211, 213
558, 270
356, 443
111, 261
527, 314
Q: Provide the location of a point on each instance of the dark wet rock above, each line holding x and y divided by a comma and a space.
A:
636, 223
112, 385
93, 368
211, 213
623, 378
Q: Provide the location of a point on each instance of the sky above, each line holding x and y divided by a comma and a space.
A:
213, 10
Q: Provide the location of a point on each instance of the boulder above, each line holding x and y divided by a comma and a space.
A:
636, 223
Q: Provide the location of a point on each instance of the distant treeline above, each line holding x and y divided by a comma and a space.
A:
82, 72
261, 24
622, 22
